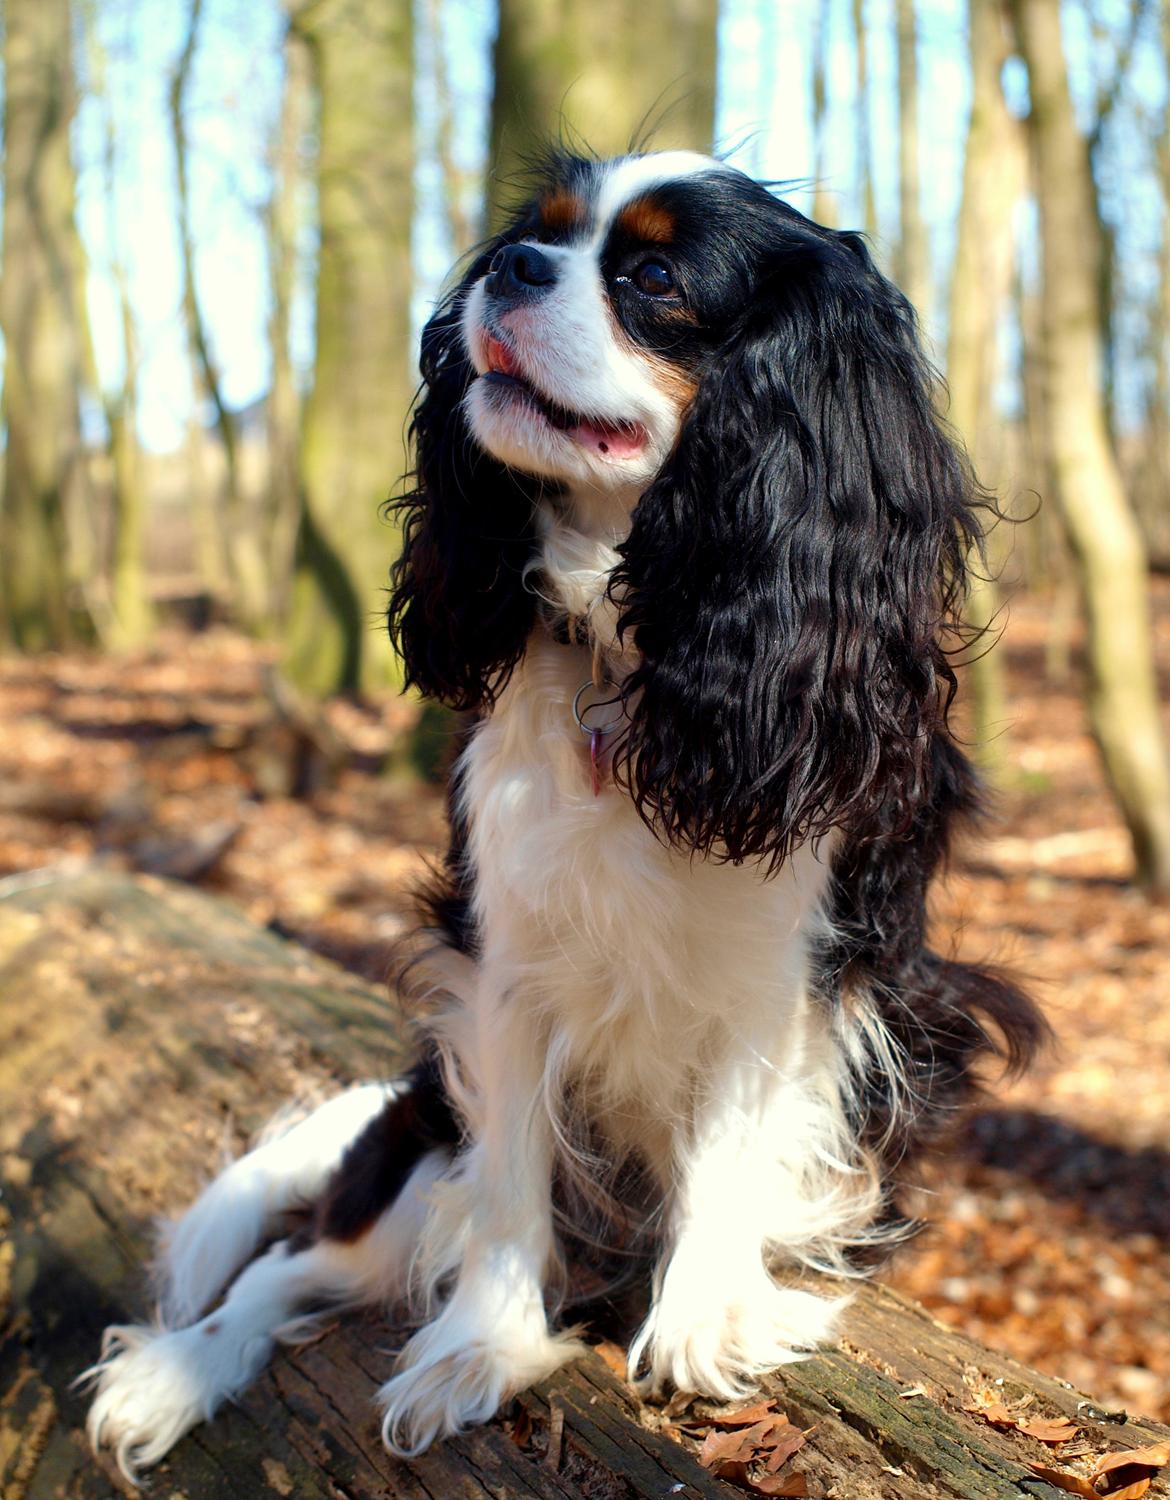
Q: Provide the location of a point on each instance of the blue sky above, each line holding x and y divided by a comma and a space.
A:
763, 117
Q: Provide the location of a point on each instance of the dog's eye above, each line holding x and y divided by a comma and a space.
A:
654, 278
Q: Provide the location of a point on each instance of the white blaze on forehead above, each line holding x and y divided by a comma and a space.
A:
629, 176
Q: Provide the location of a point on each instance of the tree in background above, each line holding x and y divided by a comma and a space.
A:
245, 561
129, 601
824, 207
912, 263
352, 446
994, 179
43, 323
1101, 525
599, 71
861, 108
283, 412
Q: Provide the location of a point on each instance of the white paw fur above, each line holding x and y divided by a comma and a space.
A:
718, 1336
152, 1386
454, 1374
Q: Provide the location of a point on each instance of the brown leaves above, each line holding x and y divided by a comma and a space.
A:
1117, 1476
1051, 1430
1073, 1484
750, 1446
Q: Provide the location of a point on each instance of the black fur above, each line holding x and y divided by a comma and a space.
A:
458, 613
375, 1167
941, 1015
789, 577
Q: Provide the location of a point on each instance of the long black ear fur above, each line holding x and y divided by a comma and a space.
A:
459, 613
789, 576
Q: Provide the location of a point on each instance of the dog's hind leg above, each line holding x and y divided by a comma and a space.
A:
154, 1384
365, 1165
231, 1218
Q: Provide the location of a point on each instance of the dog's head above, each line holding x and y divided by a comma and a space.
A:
748, 391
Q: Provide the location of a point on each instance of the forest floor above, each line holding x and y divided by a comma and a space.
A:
1050, 1229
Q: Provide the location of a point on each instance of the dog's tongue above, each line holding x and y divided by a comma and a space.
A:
624, 440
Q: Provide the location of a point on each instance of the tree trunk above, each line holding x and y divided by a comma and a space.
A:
42, 324
824, 209
1102, 528
353, 452
245, 561
861, 122
603, 74
913, 262
129, 603
284, 403
144, 1028
994, 175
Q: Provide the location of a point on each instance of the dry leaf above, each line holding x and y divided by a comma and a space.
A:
521, 1429
1072, 1484
1050, 1430
746, 1416
787, 1441
1154, 1457
793, 1485
1132, 1491
996, 1413
612, 1357
737, 1446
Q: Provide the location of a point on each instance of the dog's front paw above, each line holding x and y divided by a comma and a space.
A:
718, 1343
454, 1375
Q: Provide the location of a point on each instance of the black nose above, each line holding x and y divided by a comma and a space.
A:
520, 273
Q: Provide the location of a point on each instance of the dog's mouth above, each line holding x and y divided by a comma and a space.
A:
609, 439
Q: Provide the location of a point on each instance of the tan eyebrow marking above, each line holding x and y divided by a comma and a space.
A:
645, 220
561, 210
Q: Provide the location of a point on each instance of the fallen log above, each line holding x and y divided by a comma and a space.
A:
145, 1029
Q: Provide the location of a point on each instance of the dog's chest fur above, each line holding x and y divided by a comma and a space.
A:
631, 954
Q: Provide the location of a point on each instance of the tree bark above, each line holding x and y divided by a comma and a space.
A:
861, 122
282, 224
824, 209
912, 269
43, 326
144, 1028
1102, 528
605, 75
245, 561
353, 450
994, 176
129, 601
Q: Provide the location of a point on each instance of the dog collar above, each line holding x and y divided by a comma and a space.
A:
587, 715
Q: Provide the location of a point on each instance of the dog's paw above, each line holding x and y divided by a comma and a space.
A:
717, 1342
151, 1387
452, 1376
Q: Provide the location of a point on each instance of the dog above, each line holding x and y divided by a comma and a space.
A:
687, 544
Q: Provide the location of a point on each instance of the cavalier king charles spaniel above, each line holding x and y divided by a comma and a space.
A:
686, 544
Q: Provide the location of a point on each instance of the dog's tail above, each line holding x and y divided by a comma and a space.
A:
361, 1168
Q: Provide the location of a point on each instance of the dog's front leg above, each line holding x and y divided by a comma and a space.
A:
489, 1239
755, 1182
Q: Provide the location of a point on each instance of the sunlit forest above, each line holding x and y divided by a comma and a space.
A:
224, 224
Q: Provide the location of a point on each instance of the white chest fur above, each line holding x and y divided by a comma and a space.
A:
632, 953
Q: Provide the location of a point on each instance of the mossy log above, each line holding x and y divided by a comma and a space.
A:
144, 1029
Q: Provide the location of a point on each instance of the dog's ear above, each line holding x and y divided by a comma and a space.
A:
459, 613
789, 574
